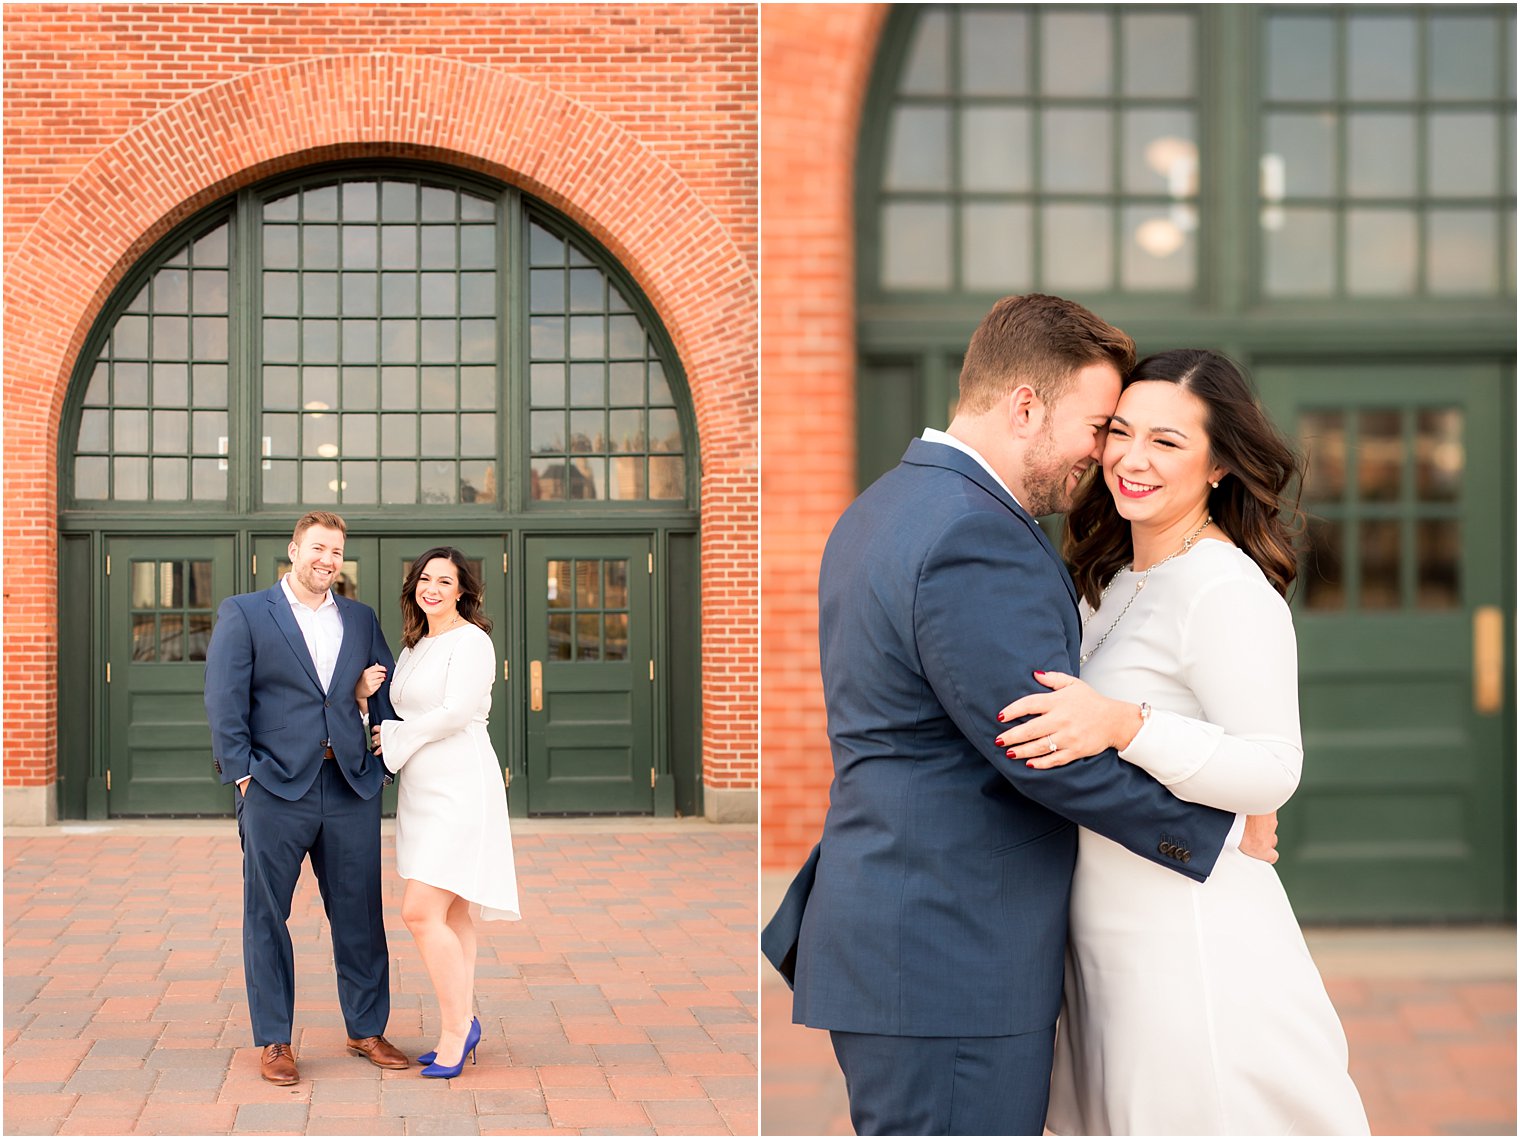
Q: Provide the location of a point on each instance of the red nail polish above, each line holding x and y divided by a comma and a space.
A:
1000, 717
1029, 763
1039, 672
1010, 754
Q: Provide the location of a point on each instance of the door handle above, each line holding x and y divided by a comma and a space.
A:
536, 686
1488, 659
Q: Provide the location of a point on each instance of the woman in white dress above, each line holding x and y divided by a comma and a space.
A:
453, 840
1190, 1008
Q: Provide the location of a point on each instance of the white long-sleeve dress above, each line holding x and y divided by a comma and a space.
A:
452, 829
1195, 1008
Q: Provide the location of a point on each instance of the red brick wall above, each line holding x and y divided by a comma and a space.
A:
816, 62
637, 121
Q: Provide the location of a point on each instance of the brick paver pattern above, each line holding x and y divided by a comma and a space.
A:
1430, 1057
624, 1001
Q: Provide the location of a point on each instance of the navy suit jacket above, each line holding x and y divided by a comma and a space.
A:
939, 891
267, 709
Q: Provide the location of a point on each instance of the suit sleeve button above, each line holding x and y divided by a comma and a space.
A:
1167, 849
1186, 856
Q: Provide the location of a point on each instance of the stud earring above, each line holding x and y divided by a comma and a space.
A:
1215, 484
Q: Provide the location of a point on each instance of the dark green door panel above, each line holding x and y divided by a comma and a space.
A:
1406, 793
486, 551
587, 610
162, 594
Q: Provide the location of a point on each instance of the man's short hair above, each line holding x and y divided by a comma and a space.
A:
1039, 340
324, 518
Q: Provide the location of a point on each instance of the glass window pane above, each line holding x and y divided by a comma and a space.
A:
1381, 159
398, 483
208, 480
588, 289
915, 245
1380, 57
547, 337
1300, 251
171, 479
1324, 566
1439, 455
320, 203
627, 383
398, 247
171, 431
319, 247
440, 340
144, 639
398, 294
209, 291
588, 478
92, 477
398, 201
1380, 252
1078, 247
477, 341
130, 479
616, 632
588, 337
144, 587
1075, 49
547, 384
1462, 157
1300, 57
94, 430
1076, 151
1380, 447
440, 482
626, 431
918, 149
398, 435
997, 247
1158, 54
438, 436
359, 341
1160, 154
477, 387
359, 294
477, 482
546, 290
588, 636
1304, 146
586, 385
438, 250
171, 337
212, 248
1460, 253
664, 429
279, 434
1438, 553
131, 430
210, 384
927, 71
279, 484
1322, 435
319, 435
287, 208
994, 51
360, 201
319, 482
171, 385
477, 294
477, 247
208, 432
559, 636
361, 250
359, 435
995, 152
1461, 54
1380, 564
615, 583
438, 294
667, 477
477, 434
319, 341
282, 247
626, 479
360, 388
280, 340
546, 480
130, 382
544, 248
171, 290
588, 583
280, 387
129, 338
1159, 251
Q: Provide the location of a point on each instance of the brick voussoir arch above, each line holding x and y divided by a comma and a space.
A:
366, 106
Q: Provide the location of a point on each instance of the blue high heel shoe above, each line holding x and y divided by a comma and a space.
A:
437, 1071
429, 1057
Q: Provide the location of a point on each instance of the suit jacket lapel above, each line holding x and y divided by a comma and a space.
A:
923, 453
355, 618
279, 606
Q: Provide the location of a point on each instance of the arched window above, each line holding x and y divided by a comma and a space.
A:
374, 340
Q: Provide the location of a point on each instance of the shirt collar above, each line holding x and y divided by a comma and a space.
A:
932, 435
290, 595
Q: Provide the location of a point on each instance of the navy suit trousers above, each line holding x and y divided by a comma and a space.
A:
947, 1085
341, 834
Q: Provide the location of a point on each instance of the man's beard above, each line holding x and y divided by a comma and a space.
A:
1045, 478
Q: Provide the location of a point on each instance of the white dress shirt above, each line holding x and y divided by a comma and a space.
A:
322, 628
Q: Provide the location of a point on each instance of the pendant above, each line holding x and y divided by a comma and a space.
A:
1139, 585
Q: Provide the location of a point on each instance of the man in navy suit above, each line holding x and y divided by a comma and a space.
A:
281, 672
927, 930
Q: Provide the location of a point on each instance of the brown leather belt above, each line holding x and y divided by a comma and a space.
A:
329, 753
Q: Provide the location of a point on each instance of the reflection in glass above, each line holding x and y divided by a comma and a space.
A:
144, 589
144, 638
1158, 252
588, 478
588, 582
615, 629
197, 635
1380, 563
615, 572
546, 480
1438, 554
1380, 461
319, 482
588, 628
440, 482
171, 641
360, 481
559, 636
477, 482
198, 579
625, 479
398, 483
1380, 252
1439, 455
559, 593
1160, 155
1322, 435
667, 477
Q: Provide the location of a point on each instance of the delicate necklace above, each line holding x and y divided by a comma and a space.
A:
417, 654
1187, 544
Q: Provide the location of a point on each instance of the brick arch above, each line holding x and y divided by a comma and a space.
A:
366, 106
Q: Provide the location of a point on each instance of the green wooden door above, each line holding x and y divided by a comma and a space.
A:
161, 599
487, 553
1404, 807
587, 611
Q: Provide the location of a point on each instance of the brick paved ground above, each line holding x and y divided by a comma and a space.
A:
1429, 1017
623, 1003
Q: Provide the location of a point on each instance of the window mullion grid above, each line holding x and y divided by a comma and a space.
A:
1037, 106
1421, 113
1341, 188
956, 103
1116, 148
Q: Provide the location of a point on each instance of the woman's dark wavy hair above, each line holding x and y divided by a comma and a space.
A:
1250, 502
471, 595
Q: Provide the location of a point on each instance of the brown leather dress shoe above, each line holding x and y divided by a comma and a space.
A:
380, 1052
278, 1064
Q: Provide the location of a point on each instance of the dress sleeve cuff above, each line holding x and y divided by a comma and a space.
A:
1172, 747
